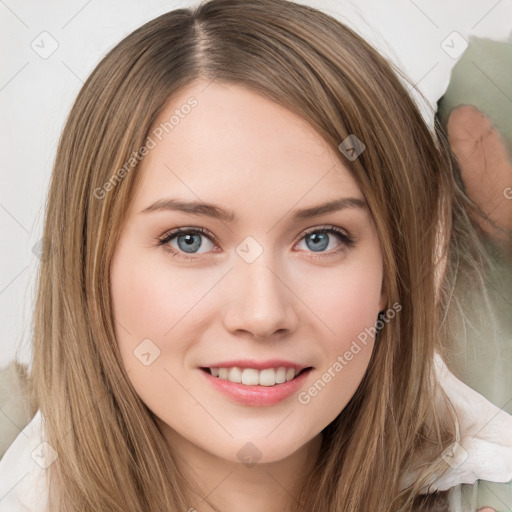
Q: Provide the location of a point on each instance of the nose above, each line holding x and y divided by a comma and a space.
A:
261, 301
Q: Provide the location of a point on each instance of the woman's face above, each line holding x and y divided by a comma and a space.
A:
261, 287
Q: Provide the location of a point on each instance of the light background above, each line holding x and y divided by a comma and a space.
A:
37, 91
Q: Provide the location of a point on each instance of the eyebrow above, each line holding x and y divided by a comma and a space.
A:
228, 216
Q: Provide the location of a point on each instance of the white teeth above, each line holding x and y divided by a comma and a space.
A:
250, 377
235, 375
281, 375
267, 377
253, 377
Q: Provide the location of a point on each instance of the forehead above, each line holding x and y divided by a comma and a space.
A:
218, 141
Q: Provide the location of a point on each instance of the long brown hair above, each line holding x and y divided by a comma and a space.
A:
111, 454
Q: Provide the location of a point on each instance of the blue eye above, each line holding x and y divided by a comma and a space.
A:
189, 241
318, 239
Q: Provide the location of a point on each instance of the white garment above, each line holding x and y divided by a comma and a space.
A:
485, 451
23, 484
485, 448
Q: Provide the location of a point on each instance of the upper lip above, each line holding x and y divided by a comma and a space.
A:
257, 365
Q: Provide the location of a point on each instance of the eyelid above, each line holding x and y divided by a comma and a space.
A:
326, 227
171, 232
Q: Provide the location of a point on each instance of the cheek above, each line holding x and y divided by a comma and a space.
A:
153, 301
347, 303
147, 305
152, 309
346, 299
148, 299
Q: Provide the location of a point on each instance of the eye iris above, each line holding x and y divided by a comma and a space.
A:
190, 242
320, 241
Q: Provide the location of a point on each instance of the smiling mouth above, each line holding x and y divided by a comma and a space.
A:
252, 377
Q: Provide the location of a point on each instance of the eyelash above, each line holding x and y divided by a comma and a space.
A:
347, 241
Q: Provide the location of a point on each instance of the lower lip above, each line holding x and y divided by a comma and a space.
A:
257, 396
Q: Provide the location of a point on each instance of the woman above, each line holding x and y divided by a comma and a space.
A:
253, 374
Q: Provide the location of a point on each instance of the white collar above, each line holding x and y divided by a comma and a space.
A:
484, 451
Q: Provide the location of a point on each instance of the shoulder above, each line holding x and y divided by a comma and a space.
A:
23, 470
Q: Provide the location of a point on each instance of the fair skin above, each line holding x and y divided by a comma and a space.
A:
241, 152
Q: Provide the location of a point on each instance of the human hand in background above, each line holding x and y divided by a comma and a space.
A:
486, 169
